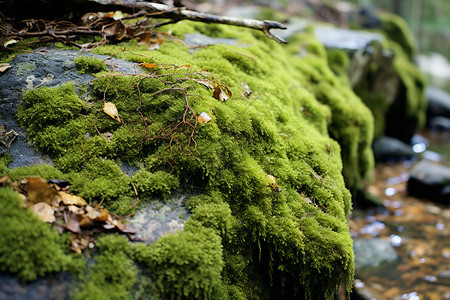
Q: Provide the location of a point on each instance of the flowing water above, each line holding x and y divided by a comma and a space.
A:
418, 229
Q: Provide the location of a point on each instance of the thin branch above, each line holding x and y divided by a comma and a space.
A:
179, 14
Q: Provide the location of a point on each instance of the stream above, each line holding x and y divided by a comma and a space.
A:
417, 229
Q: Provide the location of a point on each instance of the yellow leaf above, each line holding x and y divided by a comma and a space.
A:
69, 199
44, 211
149, 65
110, 109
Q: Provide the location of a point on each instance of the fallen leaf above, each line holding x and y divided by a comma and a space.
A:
91, 212
103, 216
206, 82
39, 190
10, 42
110, 109
44, 211
116, 29
203, 118
4, 67
148, 65
73, 223
69, 199
219, 94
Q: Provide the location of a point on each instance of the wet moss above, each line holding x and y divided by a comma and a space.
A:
5, 160
89, 64
281, 131
113, 274
396, 29
102, 180
158, 183
29, 247
186, 265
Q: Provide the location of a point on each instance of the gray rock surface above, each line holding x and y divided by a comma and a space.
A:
372, 253
391, 149
438, 102
43, 67
430, 180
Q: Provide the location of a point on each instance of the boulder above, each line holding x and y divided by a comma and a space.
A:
438, 106
387, 149
264, 177
431, 181
371, 253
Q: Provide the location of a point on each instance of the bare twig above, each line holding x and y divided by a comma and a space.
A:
179, 14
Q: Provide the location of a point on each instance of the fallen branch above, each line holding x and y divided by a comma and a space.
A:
179, 14
136, 10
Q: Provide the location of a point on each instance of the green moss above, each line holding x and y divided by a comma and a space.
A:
186, 265
5, 160
113, 275
396, 29
44, 171
409, 110
102, 180
89, 64
282, 129
51, 106
29, 247
148, 183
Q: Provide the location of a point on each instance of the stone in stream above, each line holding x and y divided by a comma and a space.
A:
431, 181
438, 103
387, 148
439, 123
372, 253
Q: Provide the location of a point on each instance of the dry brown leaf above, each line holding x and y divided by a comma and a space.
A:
39, 190
73, 223
110, 109
86, 222
69, 199
75, 209
116, 29
219, 94
44, 211
91, 212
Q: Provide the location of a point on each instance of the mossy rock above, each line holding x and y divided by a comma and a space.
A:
269, 216
384, 76
29, 247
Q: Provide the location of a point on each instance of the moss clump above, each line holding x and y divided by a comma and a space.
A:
52, 107
89, 64
396, 29
5, 160
157, 183
408, 113
113, 274
45, 171
29, 247
186, 265
247, 236
387, 81
102, 180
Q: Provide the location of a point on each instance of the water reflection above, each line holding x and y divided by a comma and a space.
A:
419, 231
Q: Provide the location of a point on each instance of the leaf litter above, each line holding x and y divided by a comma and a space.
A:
51, 202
